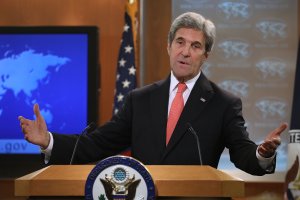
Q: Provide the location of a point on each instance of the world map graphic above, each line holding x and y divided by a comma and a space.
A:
50, 70
24, 72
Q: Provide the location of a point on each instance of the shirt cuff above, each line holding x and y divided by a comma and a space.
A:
266, 163
48, 150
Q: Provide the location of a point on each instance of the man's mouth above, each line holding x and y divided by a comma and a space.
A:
183, 62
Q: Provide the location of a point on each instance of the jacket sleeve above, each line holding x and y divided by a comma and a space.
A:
109, 139
242, 150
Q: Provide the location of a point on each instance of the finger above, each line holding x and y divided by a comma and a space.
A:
276, 141
24, 120
24, 128
26, 137
265, 152
21, 119
270, 145
277, 132
266, 149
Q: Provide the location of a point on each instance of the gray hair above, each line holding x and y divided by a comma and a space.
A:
194, 21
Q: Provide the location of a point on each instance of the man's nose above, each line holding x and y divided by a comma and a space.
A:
186, 50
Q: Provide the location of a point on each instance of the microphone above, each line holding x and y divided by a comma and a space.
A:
190, 128
85, 131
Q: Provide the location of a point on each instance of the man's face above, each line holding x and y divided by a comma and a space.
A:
187, 53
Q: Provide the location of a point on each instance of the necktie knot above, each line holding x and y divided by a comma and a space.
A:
181, 87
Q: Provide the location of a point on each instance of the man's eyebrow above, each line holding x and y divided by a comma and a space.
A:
179, 38
197, 42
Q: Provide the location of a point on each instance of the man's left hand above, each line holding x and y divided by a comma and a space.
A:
271, 142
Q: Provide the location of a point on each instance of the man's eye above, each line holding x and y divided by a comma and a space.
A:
196, 46
179, 42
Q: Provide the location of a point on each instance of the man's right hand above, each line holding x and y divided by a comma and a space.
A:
35, 131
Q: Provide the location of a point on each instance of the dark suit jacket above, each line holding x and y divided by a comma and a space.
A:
214, 114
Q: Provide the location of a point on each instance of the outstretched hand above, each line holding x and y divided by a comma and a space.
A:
271, 142
35, 131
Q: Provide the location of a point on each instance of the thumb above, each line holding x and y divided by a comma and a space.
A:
36, 111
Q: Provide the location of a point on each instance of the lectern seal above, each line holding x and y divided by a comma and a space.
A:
119, 178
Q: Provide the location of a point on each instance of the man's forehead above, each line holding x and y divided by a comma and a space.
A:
191, 35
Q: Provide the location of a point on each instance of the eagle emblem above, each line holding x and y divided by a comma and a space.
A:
119, 178
119, 185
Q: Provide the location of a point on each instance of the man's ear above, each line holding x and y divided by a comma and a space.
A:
168, 48
206, 54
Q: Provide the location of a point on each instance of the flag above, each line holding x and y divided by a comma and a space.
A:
296, 98
126, 69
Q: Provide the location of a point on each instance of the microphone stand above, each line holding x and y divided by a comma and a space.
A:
190, 128
92, 124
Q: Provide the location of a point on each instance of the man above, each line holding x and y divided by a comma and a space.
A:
148, 113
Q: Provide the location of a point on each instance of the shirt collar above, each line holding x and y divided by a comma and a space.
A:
190, 83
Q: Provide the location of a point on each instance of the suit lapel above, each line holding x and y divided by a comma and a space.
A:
159, 112
200, 96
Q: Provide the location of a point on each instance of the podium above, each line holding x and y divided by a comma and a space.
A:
171, 182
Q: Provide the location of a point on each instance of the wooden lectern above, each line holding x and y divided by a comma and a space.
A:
171, 182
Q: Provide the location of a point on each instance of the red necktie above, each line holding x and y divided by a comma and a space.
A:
175, 111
